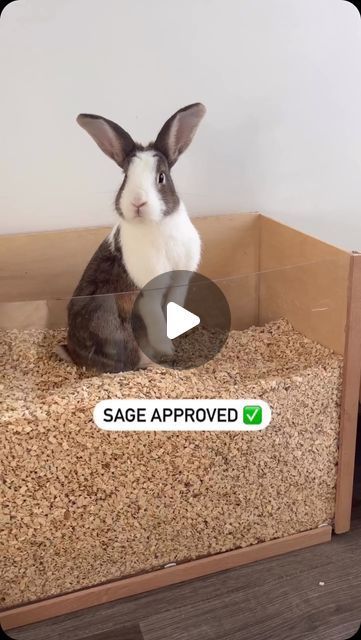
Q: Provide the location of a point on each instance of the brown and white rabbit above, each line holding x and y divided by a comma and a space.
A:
154, 236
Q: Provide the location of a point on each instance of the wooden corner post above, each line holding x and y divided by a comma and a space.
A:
350, 399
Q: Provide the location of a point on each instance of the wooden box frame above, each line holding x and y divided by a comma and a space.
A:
39, 271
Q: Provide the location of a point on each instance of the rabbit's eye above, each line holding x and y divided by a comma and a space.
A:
161, 178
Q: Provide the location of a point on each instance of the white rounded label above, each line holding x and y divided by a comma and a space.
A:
182, 415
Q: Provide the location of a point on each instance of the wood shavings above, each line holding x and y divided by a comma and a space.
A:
81, 506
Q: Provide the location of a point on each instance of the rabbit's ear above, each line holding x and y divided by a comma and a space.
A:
177, 133
108, 135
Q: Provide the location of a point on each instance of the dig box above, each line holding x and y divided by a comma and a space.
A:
90, 516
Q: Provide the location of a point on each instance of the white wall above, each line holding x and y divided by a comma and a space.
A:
281, 80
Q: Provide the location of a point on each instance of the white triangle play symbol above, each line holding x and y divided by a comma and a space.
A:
179, 320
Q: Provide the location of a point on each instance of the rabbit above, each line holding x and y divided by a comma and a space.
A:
153, 236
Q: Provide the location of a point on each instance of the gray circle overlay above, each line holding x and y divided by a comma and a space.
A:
198, 295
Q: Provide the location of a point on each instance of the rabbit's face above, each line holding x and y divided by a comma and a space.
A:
147, 193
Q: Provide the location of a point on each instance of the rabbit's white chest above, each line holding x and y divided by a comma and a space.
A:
152, 249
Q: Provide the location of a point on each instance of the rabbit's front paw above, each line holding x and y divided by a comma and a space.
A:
165, 348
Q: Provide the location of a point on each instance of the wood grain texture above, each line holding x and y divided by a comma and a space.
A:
277, 599
296, 247
48, 264
52, 607
304, 280
128, 632
350, 400
39, 271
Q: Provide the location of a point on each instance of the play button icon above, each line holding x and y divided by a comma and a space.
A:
179, 320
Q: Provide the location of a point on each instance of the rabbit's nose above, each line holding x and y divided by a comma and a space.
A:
139, 205
139, 199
